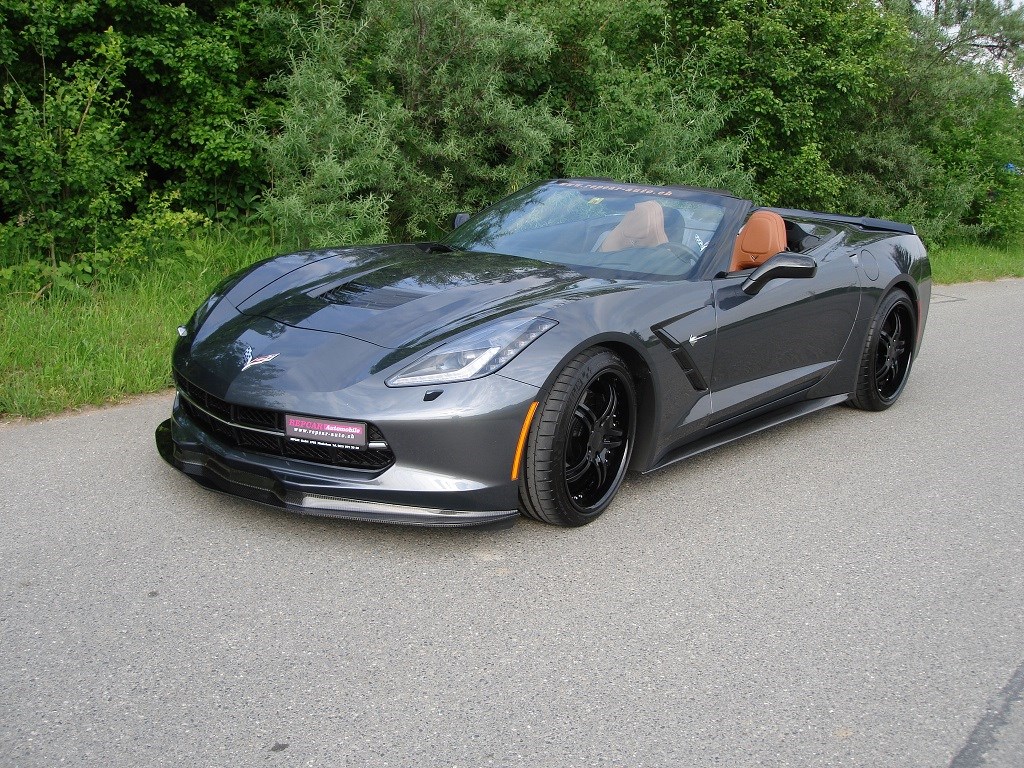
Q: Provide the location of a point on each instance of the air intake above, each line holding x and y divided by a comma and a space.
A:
369, 297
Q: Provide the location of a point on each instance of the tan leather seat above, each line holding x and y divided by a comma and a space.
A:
642, 227
763, 236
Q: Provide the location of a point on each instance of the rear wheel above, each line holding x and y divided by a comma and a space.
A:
888, 354
580, 443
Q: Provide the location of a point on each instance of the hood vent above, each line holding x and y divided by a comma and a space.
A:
356, 294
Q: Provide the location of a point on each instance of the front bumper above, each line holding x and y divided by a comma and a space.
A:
405, 494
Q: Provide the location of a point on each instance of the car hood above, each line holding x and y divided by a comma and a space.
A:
407, 297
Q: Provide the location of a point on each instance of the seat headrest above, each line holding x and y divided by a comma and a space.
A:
644, 226
763, 236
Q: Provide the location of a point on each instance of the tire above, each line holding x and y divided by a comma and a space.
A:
579, 446
888, 354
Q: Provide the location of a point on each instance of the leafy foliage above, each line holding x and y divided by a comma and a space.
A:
935, 149
400, 115
361, 120
636, 111
792, 73
114, 116
67, 174
65, 170
655, 126
190, 70
981, 32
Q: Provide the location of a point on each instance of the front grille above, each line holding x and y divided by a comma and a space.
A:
262, 431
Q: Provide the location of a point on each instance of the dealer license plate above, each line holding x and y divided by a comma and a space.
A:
309, 429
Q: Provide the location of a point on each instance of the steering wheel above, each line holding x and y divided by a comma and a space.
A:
682, 252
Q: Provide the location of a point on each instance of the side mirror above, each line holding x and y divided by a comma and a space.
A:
780, 265
459, 219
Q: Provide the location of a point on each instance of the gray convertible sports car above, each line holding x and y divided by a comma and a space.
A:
571, 332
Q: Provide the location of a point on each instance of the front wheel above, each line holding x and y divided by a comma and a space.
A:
580, 443
888, 353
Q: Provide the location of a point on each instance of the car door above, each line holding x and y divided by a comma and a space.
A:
780, 342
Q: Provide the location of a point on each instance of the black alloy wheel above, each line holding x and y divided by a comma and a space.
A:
580, 443
888, 354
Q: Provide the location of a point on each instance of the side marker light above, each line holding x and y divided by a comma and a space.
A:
522, 439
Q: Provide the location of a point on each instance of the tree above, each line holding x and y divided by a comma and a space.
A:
982, 32
792, 73
65, 172
190, 72
638, 111
935, 150
396, 116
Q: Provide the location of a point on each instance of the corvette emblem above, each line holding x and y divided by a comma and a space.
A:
250, 361
693, 340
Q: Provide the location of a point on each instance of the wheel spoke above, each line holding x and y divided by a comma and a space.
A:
584, 414
613, 404
575, 473
601, 467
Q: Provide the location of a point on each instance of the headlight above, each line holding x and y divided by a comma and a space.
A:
477, 353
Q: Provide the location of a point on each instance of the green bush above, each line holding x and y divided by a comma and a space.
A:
654, 126
637, 110
151, 236
65, 170
1003, 215
190, 71
932, 151
886, 173
384, 118
332, 164
792, 74
398, 116
73, 207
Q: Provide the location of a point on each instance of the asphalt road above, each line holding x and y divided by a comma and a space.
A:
847, 590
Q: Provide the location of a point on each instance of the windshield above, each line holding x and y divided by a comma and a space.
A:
596, 226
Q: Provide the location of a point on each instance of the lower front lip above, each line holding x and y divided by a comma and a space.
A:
270, 488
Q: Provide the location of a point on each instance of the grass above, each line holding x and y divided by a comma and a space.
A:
66, 351
965, 263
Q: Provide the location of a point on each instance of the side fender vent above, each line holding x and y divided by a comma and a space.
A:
682, 357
